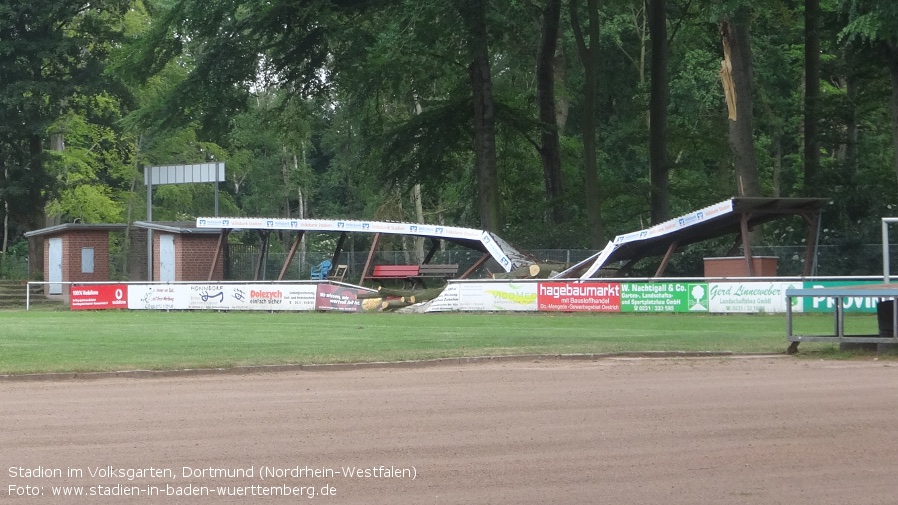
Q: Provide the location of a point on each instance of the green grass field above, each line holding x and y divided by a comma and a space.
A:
60, 341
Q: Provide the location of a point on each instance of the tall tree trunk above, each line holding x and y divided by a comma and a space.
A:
660, 174
893, 72
418, 201
479, 73
5, 217
811, 97
589, 57
737, 53
5, 228
562, 100
36, 215
550, 146
285, 176
419, 218
852, 128
301, 210
777, 161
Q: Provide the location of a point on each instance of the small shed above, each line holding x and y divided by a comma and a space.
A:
182, 252
75, 252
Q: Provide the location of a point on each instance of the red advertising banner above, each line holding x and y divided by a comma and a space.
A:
98, 297
578, 296
339, 298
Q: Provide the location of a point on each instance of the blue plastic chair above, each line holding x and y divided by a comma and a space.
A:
320, 271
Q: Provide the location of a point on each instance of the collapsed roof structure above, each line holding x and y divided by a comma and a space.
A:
490, 244
734, 216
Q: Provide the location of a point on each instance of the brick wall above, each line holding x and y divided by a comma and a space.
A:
73, 242
197, 252
137, 255
193, 257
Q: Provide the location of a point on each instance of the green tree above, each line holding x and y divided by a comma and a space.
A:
660, 176
589, 59
877, 23
50, 51
550, 148
737, 78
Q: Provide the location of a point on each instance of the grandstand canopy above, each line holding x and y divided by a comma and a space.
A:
486, 242
736, 216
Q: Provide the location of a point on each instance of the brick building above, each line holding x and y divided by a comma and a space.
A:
75, 252
182, 252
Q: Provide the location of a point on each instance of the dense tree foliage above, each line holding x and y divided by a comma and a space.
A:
557, 123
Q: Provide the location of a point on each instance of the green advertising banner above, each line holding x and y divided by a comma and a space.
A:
849, 303
664, 297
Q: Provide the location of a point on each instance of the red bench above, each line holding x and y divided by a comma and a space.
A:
414, 273
394, 271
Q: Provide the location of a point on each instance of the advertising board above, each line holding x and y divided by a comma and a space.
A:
827, 304
486, 297
579, 297
664, 297
98, 297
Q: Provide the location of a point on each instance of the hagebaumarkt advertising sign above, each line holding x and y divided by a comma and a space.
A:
664, 297
827, 304
750, 297
579, 297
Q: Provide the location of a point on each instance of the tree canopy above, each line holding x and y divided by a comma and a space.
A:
557, 123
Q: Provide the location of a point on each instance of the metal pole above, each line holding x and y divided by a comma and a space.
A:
788, 316
219, 176
149, 231
885, 251
816, 245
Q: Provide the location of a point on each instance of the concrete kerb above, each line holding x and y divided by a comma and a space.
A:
339, 367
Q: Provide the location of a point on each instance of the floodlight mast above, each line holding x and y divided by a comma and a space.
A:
177, 174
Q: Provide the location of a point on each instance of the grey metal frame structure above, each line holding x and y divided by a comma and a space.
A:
884, 291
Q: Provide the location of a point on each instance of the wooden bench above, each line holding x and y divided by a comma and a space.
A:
395, 271
437, 270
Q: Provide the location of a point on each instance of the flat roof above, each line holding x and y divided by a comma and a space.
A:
178, 227
69, 227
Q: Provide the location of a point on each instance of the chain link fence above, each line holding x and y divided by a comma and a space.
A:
832, 260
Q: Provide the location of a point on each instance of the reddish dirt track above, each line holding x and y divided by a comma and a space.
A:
615, 431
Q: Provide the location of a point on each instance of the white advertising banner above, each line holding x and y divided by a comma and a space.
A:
339, 225
750, 297
486, 297
211, 296
157, 297
447, 300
